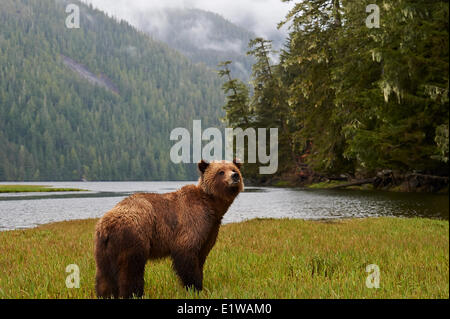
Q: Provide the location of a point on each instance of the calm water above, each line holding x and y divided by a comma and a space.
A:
26, 210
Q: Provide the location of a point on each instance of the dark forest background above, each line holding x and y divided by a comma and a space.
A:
347, 99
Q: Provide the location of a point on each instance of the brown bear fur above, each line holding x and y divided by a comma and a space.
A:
182, 224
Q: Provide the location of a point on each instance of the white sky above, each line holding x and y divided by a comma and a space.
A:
259, 16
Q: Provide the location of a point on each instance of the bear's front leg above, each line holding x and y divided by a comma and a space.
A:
187, 266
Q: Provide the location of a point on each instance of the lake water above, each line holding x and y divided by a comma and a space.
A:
25, 210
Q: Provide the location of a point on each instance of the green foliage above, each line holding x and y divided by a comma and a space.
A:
55, 125
237, 108
34, 188
441, 140
399, 79
353, 99
266, 108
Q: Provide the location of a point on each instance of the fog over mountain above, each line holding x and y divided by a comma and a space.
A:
206, 32
202, 36
258, 16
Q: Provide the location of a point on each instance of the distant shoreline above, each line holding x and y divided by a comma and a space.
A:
35, 189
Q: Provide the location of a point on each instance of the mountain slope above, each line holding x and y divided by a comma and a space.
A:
204, 37
56, 125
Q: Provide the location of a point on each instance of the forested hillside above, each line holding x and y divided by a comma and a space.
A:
57, 125
204, 37
349, 99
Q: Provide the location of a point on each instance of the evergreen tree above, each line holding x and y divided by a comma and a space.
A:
56, 123
353, 99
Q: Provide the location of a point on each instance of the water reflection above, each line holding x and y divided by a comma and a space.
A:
31, 209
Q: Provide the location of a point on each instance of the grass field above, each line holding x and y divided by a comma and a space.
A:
34, 188
253, 259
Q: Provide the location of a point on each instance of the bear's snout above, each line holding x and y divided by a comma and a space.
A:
235, 177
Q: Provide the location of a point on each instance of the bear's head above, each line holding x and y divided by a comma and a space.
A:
221, 179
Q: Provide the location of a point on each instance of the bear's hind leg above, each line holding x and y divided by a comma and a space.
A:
188, 268
131, 276
105, 285
106, 275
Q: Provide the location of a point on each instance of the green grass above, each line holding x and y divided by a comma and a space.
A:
282, 183
254, 259
329, 184
34, 188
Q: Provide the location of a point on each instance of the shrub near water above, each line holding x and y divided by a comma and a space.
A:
253, 259
34, 188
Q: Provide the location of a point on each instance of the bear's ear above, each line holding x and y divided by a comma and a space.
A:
237, 162
202, 166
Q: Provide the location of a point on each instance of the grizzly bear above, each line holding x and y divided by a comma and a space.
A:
183, 225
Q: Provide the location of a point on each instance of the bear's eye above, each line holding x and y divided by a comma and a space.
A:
221, 172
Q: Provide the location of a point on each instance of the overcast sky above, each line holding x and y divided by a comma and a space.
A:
260, 16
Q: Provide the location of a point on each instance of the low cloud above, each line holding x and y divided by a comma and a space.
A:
259, 16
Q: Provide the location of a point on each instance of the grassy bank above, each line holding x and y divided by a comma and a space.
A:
331, 184
34, 188
320, 185
254, 259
